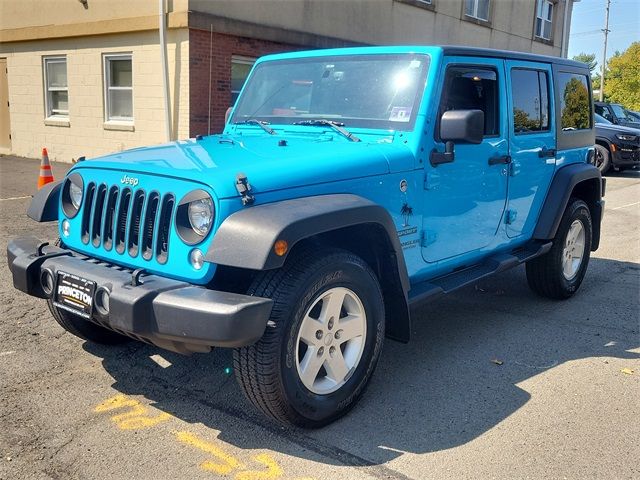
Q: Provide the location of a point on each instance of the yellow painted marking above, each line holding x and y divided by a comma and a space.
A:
273, 469
224, 464
137, 417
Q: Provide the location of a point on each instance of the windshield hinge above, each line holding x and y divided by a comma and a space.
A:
244, 189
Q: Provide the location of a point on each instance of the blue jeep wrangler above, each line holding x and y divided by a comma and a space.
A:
347, 186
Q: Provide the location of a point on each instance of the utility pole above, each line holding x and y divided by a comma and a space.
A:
604, 53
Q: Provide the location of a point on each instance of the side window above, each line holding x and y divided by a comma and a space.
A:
530, 100
473, 88
574, 101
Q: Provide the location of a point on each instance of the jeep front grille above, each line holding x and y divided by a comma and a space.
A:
127, 220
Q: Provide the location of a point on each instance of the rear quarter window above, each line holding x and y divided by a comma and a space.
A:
575, 106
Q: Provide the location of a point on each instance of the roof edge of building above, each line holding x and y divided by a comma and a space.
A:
102, 27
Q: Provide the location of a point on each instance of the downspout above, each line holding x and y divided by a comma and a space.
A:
165, 69
567, 14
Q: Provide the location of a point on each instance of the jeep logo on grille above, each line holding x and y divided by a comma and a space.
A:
126, 180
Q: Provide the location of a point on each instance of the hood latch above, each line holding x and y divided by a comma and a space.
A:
244, 189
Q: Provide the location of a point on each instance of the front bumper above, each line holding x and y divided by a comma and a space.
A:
169, 313
626, 155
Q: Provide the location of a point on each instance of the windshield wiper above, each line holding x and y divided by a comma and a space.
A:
337, 126
261, 123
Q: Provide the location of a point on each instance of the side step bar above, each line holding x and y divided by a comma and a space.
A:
434, 288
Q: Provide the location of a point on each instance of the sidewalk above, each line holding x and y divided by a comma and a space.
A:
19, 175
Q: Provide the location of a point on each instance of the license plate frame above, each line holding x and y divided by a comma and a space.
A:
74, 294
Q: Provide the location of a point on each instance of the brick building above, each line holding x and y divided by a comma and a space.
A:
85, 77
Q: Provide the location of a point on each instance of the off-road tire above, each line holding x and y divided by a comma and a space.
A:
266, 370
85, 329
602, 159
545, 273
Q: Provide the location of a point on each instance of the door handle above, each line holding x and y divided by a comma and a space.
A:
500, 160
545, 152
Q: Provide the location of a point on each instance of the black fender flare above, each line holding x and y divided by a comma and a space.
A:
564, 183
246, 238
44, 204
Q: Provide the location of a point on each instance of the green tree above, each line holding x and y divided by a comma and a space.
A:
622, 80
575, 105
523, 123
589, 59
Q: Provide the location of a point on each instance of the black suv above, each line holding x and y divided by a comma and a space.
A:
616, 114
616, 146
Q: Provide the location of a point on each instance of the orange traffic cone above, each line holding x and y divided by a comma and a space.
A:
46, 176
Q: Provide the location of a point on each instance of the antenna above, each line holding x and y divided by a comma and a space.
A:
210, 64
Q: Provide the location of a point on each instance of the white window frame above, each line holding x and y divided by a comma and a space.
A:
106, 71
540, 15
476, 4
242, 60
50, 113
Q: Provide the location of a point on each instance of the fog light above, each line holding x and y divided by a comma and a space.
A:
196, 257
66, 228
46, 280
102, 297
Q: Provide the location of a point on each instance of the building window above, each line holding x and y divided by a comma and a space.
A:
56, 90
477, 9
118, 88
544, 19
530, 101
240, 68
428, 4
574, 101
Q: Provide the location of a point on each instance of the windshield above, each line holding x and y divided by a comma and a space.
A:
620, 112
601, 119
370, 91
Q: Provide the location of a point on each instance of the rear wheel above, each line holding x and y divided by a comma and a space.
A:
85, 329
322, 341
602, 159
559, 273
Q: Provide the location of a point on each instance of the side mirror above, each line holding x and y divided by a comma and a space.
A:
227, 114
458, 126
462, 126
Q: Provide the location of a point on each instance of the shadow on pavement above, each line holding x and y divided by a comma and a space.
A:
440, 391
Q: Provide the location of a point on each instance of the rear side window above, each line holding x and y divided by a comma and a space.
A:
473, 88
530, 101
575, 109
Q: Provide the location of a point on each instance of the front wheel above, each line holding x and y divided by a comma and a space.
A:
602, 159
322, 341
559, 273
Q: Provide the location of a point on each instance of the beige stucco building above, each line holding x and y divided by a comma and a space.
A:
85, 77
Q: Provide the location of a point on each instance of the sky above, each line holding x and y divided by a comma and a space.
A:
588, 20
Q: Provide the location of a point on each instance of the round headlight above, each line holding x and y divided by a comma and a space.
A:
75, 195
194, 216
201, 215
72, 193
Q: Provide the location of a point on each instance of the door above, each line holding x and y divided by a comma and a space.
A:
5, 127
532, 141
464, 200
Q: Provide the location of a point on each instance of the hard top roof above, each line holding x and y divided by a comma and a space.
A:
427, 49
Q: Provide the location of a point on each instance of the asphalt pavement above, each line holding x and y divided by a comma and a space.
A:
496, 383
